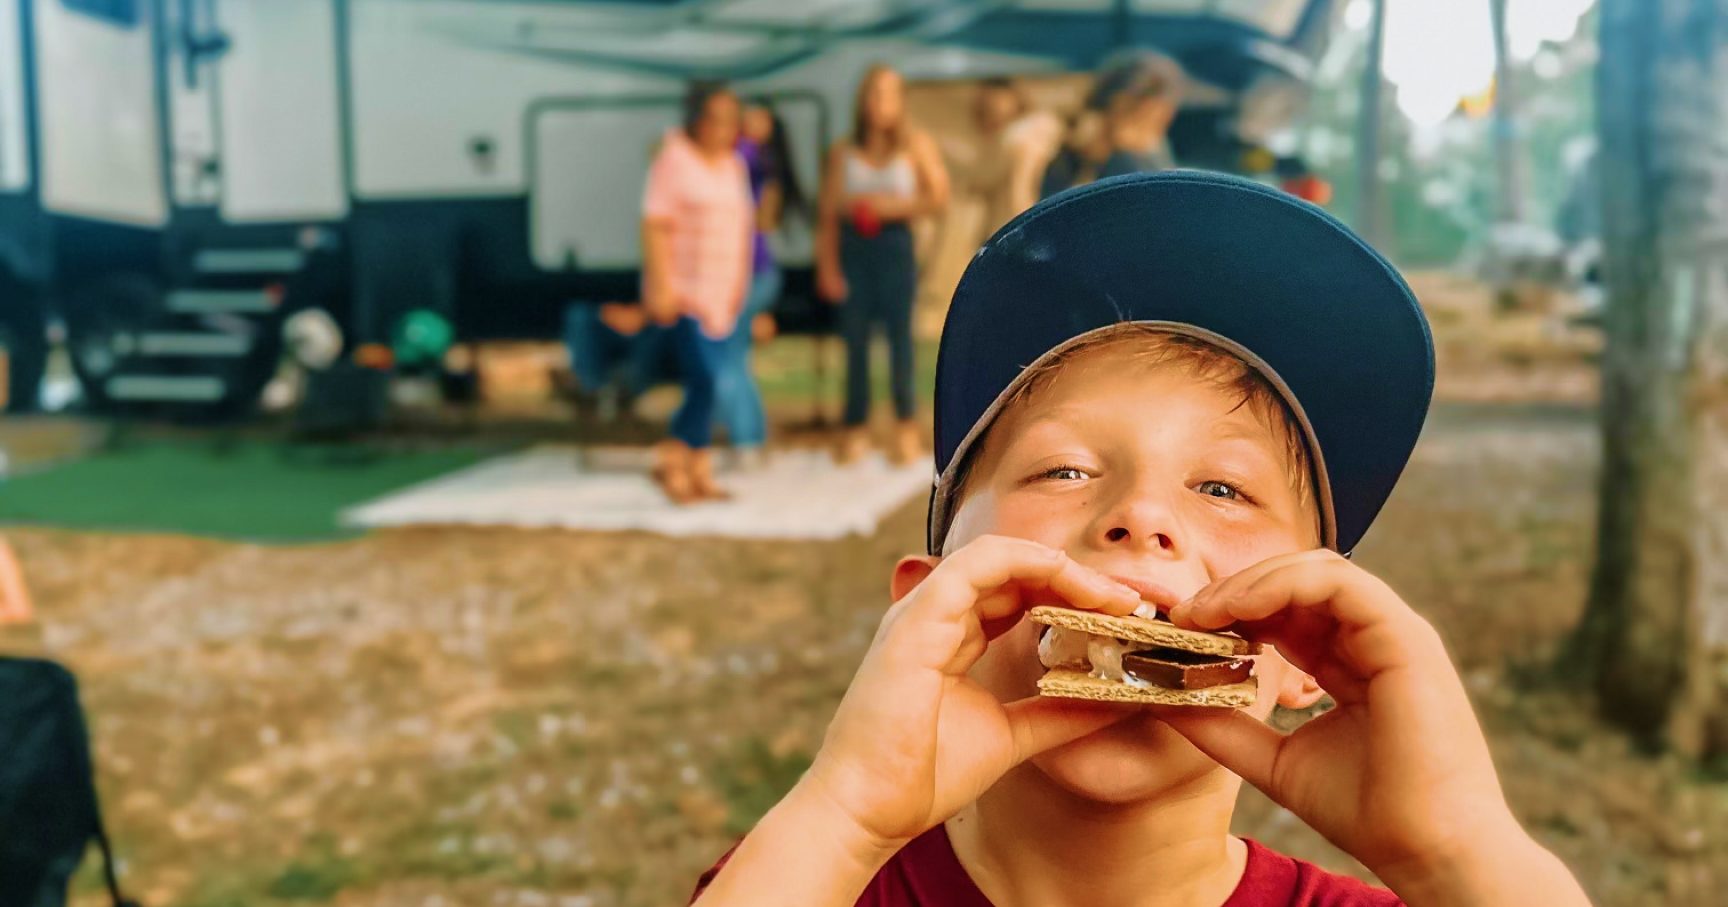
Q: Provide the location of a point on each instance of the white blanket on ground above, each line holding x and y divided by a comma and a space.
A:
798, 494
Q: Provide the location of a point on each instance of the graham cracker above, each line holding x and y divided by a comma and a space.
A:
1139, 629
1066, 683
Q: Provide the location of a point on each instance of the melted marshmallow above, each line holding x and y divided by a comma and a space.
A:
1101, 655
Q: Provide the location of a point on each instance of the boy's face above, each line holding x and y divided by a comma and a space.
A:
1144, 473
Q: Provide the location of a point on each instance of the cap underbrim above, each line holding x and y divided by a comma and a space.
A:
943, 497
1260, 273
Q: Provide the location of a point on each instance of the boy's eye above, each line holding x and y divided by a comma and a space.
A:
1063, 474
1219, 490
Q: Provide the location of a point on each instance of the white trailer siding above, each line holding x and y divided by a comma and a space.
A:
594, 222
101, 152
280, 112
422, 98
14, 141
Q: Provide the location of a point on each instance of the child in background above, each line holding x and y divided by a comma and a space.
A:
774, 185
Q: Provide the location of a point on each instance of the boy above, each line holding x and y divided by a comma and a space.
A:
1224, 386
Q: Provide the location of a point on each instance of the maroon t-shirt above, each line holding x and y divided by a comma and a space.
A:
926, 873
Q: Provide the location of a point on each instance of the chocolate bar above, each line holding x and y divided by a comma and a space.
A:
1178, 670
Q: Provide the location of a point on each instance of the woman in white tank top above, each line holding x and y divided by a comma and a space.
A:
896, 179
885, 174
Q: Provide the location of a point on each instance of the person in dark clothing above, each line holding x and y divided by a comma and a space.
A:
616, 355
1124, 125
884, 175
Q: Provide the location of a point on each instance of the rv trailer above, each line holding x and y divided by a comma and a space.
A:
178, 177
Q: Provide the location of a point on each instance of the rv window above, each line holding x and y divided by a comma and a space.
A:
120, 12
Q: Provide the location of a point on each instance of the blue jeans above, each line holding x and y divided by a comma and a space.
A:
601, 357
700, 361
739, 407
881, 280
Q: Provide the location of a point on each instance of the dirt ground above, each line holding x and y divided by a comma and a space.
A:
581, 720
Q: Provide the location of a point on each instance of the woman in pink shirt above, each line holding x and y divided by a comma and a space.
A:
697, 231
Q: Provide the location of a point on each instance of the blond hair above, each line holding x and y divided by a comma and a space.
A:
1153, 347
899, 131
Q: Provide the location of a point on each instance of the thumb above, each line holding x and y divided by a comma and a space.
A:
1236, 740
1040, 723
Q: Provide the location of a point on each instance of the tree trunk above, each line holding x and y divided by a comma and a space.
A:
1654, 638
1369, 130
1508, 151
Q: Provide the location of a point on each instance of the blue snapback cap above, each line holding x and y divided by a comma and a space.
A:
1260, 273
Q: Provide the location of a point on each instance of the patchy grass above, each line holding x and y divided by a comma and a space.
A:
755, 779
251, 489
518, 717
319, 880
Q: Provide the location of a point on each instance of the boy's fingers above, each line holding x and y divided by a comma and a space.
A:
1208, 608
1040, 723
1198, 607
970, 579
1322, 612
1319, 579
1349, 594
1234, 739
980, 592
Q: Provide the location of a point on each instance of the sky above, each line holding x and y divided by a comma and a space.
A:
1438, 51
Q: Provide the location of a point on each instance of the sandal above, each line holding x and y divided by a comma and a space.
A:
854, 445
671, 472
702, 477
908, 444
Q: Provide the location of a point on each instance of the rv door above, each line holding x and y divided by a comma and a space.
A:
589, 159
100, 141
280, 115
14, 142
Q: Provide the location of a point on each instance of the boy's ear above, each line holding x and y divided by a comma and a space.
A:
909, 573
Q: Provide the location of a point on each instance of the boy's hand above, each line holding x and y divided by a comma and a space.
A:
915, 739
1399, 773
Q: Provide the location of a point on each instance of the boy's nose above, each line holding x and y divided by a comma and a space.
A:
1120, 535
1141, 525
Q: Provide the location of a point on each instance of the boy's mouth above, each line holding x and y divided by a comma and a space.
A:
1156, 599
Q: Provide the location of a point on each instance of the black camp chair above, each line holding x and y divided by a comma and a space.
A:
48, 808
